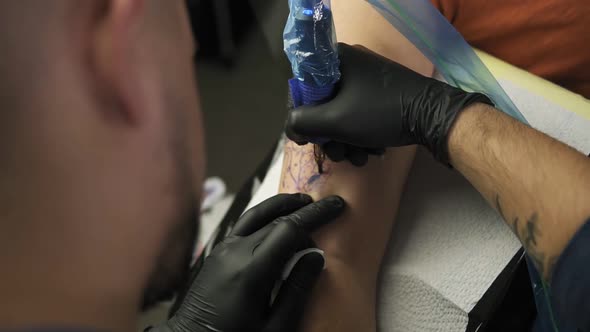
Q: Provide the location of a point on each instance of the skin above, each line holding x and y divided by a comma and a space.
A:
102, 159
510, 164
345, 297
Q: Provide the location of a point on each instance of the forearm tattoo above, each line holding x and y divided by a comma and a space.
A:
527, 230
300, 172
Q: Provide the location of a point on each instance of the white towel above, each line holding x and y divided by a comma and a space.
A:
448, 245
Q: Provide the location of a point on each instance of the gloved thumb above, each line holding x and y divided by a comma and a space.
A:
289, 306
311, 122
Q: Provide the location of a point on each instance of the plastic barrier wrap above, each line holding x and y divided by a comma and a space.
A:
311, 46
438, 40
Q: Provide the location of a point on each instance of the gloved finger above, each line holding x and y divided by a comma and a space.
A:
313, 216
302, 143
338, 152
308, 122
335, 151
275, 250
357, 156
262, 233
344, 47
290, 100
267, 211
376, 152
292, 233
289, 305
290, 106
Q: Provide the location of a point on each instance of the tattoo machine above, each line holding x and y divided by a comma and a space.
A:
311, 47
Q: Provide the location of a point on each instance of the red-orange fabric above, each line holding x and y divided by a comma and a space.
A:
549, 38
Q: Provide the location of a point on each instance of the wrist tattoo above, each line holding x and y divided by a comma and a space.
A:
528, 233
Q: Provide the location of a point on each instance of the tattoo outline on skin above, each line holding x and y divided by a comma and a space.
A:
301, 169
528, 235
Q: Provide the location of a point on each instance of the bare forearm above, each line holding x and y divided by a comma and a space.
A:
354, 244
540, 186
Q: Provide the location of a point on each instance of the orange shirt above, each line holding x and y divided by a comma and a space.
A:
549, 38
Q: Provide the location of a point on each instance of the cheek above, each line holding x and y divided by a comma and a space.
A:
200, 155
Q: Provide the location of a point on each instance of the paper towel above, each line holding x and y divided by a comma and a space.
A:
448, 245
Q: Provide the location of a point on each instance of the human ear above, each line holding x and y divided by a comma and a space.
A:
117, 59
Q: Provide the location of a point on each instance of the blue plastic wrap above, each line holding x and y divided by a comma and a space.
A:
438, 40
312, 49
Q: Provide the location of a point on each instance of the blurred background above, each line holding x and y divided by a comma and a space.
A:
242, 77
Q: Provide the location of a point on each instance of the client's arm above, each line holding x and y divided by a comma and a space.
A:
344, 299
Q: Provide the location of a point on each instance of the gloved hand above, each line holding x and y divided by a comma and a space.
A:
380, 104
233, 290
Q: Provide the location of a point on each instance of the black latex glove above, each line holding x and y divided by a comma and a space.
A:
233, 290
380, 104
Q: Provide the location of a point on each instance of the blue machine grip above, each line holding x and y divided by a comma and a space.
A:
310, 45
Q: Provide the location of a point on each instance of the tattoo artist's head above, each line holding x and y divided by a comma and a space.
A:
101, 157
